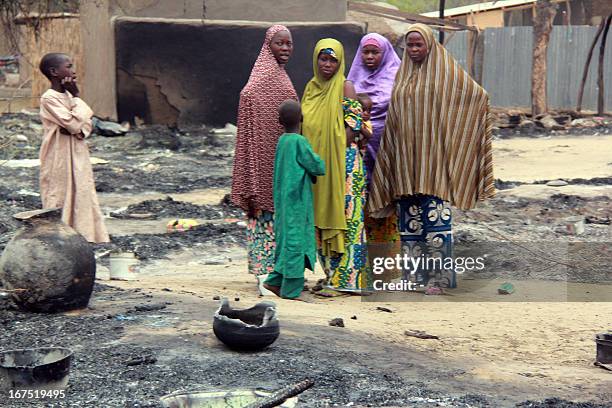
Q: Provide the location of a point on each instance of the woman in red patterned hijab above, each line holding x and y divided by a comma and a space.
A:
258, 132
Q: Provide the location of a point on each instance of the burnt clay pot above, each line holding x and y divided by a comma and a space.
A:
246, 329
48, 267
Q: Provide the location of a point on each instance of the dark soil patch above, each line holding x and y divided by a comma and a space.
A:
18, 179
164, 180
595, 181
23, 199
151, 158
506, 185
168, 207
20, 124
157, 246
13, 202
560, 403
160, 137
562, 201
536, 131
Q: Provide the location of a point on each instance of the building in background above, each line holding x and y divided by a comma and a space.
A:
510, 13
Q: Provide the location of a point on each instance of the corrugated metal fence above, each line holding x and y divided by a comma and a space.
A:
507, 66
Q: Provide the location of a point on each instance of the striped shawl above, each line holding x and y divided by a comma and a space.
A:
437, 137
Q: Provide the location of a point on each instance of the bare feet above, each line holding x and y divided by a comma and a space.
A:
276, 290
273, 289
302, 298
331, 293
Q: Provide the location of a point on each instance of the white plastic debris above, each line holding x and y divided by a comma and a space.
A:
229, 129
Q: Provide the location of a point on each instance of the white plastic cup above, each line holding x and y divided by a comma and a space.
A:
575, 225
123, 266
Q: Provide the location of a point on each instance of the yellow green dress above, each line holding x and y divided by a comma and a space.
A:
339, 196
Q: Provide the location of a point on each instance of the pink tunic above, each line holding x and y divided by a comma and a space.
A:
66, 175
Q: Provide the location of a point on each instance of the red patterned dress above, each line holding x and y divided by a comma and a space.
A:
258, 132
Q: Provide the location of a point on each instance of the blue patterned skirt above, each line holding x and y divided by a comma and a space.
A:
426, 233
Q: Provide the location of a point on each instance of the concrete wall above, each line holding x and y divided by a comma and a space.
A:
98, 33
186, 72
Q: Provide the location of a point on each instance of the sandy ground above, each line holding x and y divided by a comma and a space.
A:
516, 350
529, 160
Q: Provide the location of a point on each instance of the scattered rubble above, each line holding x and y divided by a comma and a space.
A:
549, 123
107, 128
150, 307
505, 288
585, 123
420, 335
557, 183
511, 123
147, 359
150, 158
559, 403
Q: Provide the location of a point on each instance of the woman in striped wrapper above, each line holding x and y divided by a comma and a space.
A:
435, 152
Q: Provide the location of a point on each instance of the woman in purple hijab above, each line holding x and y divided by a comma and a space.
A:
373, 72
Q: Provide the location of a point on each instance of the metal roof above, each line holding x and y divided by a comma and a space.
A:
479, 7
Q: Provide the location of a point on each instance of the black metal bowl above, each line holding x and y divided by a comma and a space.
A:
246, 329
604, 348
35, 369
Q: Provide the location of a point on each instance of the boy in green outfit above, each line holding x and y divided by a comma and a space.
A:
296, 166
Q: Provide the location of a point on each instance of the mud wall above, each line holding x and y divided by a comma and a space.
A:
275, 10
98, 57
249, 10
97, 30
187, 72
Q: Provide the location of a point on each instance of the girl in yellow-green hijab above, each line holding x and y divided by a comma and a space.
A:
332, 121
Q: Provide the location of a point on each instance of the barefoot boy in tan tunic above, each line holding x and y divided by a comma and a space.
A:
66, 175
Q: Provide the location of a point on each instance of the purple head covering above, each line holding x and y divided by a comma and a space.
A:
378, 85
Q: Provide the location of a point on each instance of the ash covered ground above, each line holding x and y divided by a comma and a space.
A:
111, 337
113, 367
153, 158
